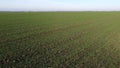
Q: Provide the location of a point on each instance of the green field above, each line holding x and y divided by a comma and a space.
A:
60, 39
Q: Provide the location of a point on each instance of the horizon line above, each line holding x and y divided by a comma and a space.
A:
66, 11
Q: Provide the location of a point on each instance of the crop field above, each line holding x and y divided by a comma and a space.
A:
59, 39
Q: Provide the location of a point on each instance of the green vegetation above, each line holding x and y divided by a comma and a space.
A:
60, 39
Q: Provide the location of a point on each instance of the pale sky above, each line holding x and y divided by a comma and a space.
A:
59, 5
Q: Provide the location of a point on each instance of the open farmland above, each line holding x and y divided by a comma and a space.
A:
60, 39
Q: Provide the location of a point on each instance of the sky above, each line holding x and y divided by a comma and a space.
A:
59, 5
